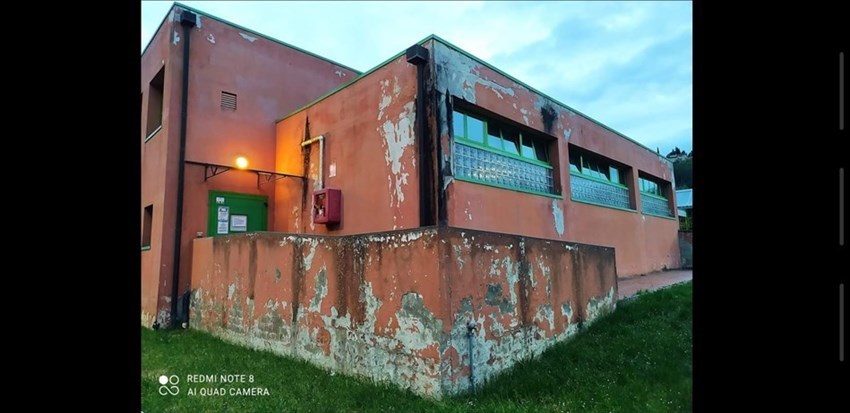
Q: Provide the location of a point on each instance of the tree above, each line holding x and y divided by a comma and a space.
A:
683, 173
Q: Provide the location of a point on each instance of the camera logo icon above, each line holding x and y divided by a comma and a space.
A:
168, 385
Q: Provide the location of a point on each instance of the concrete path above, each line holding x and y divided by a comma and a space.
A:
631, 285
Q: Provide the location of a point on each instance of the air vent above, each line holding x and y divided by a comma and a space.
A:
228, 101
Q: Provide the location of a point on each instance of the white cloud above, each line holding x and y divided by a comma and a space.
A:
622, 63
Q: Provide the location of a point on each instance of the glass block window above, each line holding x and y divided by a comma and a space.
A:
654, 205
653, 197
488, 167
592, 190
596, 179
500, 154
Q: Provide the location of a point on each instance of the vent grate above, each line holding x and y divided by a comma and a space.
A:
228, 101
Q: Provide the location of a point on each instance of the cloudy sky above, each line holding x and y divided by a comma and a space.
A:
625, 64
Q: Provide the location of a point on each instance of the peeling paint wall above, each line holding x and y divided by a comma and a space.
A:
522, 294
361, 305
643, 243
394, 306
369, 130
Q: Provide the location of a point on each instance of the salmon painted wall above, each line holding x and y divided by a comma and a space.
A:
370, 155
158, 171
268, 78
642, 243
394, 306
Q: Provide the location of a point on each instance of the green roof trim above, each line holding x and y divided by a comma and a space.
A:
481, 61
523, 84
352, 81
243, 28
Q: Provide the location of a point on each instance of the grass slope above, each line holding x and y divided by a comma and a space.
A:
635, 360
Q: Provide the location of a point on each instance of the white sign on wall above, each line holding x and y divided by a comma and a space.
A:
223, 218
239, 223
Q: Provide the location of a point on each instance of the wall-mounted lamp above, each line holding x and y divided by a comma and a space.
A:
241, 162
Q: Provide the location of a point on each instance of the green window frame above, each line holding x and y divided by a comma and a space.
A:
502, 155
651, 187
594, 167
499, 138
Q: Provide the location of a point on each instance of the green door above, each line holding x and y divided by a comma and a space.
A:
232, 213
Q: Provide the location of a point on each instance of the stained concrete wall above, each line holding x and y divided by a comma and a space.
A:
268, 78
370, 156
643, 243
394, 306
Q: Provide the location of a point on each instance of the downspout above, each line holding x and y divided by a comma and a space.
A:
470, 327
187, 20
321, 139
418, 55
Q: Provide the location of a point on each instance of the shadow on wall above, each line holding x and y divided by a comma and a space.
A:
686, 249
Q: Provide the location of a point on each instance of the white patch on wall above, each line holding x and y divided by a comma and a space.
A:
461, 74
296, 215
211, 38
332, 170
248, 37
567, 133
308, 260
558, 215
175, 38
386, 98
398, 136
340, 73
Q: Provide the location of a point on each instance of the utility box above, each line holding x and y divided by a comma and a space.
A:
327, 206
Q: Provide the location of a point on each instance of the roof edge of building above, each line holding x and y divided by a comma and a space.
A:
351, 82
253, 32
490, 66
556, 101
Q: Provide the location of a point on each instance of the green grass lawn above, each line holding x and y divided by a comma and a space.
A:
636, 360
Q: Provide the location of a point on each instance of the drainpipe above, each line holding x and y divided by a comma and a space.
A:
418, 55
187, 20
321, 139
470, 327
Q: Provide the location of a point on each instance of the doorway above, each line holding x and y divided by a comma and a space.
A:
234, 213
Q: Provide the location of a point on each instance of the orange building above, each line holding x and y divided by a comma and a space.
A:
221, 103
433, 214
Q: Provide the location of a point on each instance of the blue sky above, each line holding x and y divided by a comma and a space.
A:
625, 64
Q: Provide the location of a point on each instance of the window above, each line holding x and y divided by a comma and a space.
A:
155, 92
146, 227
653, 196
228, 101
586, 163
597, 180
500, 154
649, 186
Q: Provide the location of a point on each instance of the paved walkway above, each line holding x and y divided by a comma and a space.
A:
631, 285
